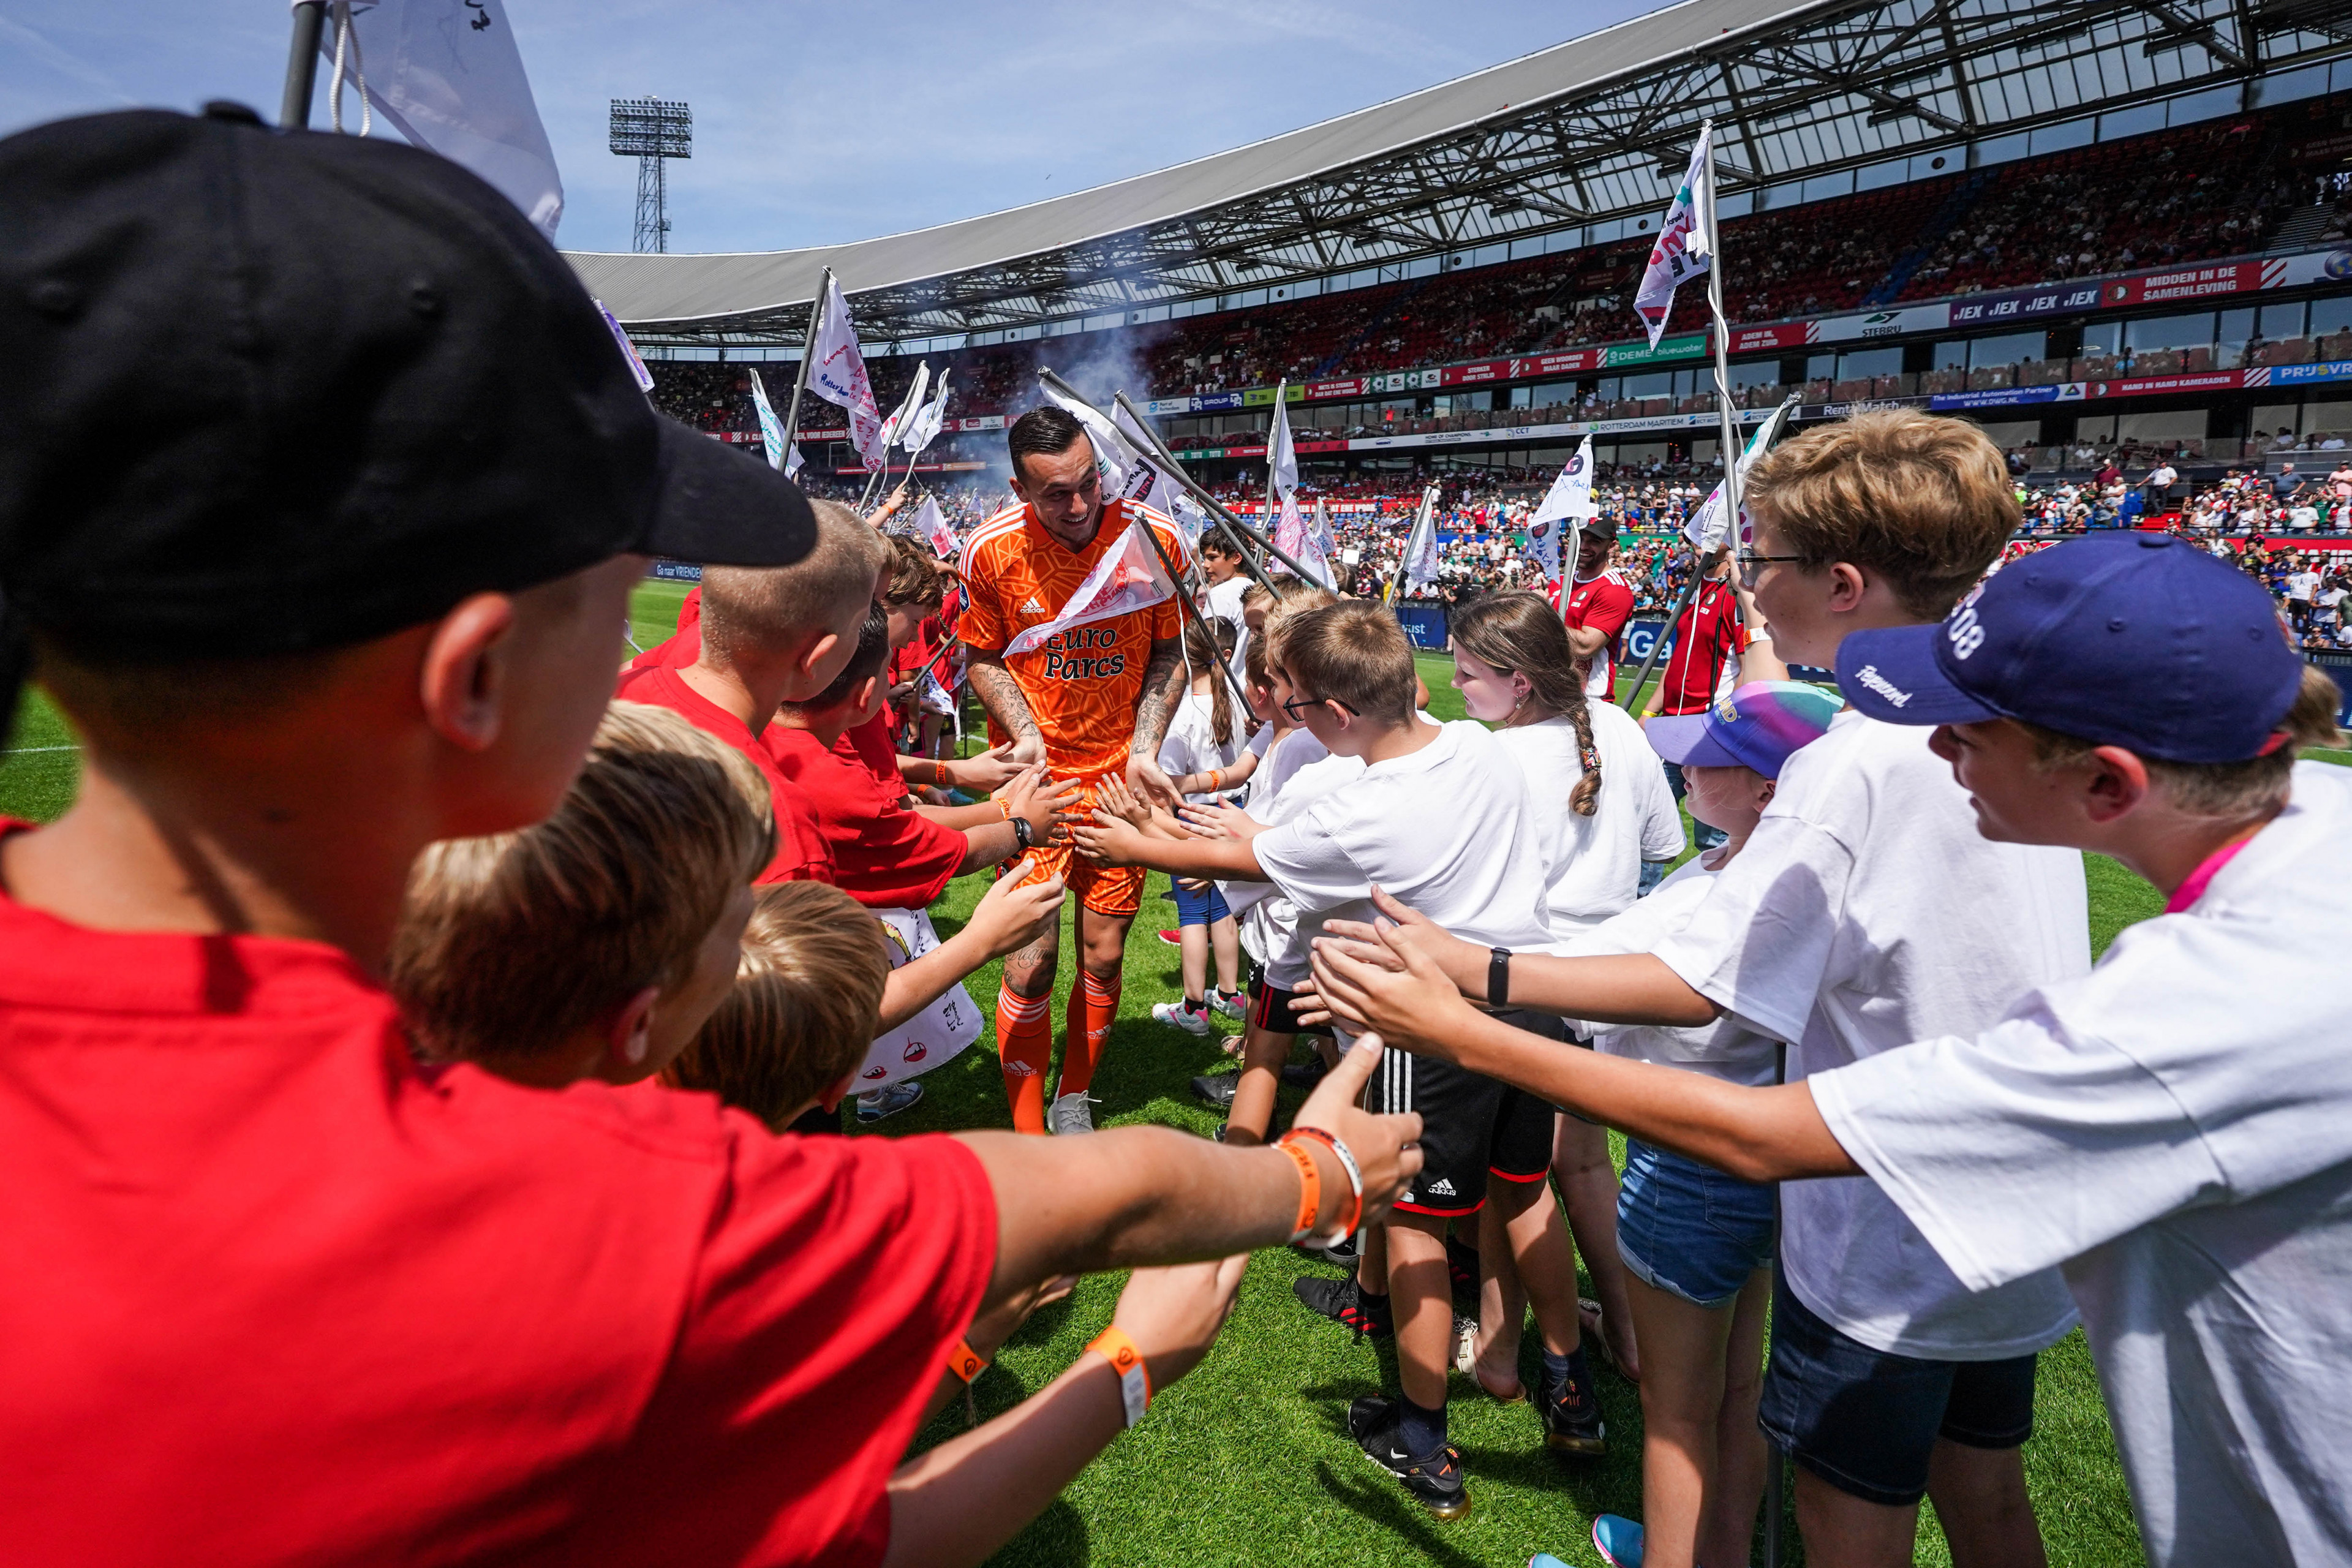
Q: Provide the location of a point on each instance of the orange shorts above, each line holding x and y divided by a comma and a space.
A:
1106, 889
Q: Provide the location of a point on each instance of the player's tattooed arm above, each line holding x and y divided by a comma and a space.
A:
1163, 681
1000, 694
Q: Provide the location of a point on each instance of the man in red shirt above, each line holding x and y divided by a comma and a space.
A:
1092, 701
1598, 603
1705, 639
449, 1319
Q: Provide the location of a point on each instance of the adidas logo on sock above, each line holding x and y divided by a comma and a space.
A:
1031, 608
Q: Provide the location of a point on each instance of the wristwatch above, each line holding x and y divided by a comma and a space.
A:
1498, 977
1023, 834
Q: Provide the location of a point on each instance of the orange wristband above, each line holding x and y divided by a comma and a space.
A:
1134, 1379
1311, 1189
1347, 1159
1004, 804
965, 1362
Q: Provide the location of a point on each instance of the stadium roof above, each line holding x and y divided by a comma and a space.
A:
1586, 131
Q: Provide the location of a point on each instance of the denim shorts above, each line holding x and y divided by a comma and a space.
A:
1867, 1421
1688, 1229
1205, 908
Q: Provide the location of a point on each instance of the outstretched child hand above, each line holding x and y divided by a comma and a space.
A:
1173, 1314
1219, 819
1010, 915
1113, 796
1108, 840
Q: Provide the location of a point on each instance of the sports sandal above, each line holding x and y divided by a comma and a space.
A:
1466, 1361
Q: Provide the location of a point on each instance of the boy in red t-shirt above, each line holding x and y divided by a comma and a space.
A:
249, 1235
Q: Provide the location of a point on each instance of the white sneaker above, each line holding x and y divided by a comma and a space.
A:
1235, 1004
1190, 1020
1069, 1114
876, 1104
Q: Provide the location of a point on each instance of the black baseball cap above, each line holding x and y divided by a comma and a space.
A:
2133, 639
272, 391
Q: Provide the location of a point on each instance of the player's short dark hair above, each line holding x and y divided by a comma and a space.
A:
1043, 432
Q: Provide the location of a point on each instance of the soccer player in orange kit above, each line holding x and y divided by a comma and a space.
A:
1092, 701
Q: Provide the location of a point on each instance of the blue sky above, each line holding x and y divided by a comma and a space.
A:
824, 122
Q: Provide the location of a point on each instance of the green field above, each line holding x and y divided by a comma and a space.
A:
1247, 1459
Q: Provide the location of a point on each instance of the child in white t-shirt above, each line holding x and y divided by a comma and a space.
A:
1204, 736
1442, 818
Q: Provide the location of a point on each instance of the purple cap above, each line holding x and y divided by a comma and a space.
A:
1758, 726
2129, 639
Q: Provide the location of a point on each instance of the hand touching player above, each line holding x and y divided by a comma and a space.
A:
1116, 798
1219, 819
1041, 801
1145, 779
987, 773
1110, 840
1011, 916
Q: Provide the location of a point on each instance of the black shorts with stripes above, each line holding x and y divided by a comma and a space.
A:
1471, 1127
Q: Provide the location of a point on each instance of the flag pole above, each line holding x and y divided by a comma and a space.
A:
1184, 600
302, 65
1727, 419
808, 349
1236, 529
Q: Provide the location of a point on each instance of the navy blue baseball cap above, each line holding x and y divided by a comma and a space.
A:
2136, 640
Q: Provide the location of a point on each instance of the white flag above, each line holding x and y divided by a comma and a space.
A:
838, 374
1569, 501
929, 420
931, 527
447, 75
901, 423
1707, 527
1322, 548
1281, 457
1127, 579
771, 429
1114, 454
1420, 567
1685, 246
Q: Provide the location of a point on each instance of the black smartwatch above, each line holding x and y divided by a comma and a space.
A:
1023, 834
1499, 978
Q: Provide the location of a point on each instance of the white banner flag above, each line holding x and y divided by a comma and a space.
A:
901, 423
927, 420
1707, 527
1127, 579
1420, 566
1685, 246
931, 527
933, 1035
1281, 457
447, 75
1114, 454
1322, 548
771, 429
1568, 501
838, 374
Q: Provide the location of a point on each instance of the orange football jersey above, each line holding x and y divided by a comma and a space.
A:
1082, 684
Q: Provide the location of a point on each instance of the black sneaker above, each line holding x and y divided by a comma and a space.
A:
1435, 1480
1216, 1088
1304, 1075
1340, 1300
1572, 1418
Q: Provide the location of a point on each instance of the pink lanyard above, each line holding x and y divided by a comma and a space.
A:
2190, 891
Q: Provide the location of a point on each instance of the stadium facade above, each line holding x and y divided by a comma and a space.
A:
2074, 223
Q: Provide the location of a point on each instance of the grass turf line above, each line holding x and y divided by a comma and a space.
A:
1247, 1459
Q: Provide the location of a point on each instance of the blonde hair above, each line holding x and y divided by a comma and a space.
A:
1353, 651
2222, 790
1923, 502
746, 608
509, 944
1518, 631
807, 1003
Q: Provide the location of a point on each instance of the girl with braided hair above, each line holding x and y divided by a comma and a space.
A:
1602, 808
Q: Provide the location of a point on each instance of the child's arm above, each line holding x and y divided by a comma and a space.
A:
1233, 776
959, 1502
1113, 842
1755, 1134
1009, 915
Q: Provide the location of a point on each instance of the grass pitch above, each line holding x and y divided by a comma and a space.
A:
1247, 1461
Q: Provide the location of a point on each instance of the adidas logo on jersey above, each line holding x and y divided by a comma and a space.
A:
1031, 608
1440, 1188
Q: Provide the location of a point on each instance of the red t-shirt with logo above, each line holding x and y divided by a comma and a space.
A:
801, 855
1705, 639
1601, 604
883, 855
274, 1294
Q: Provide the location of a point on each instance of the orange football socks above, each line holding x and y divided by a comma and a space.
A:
1086, 1019
1024, 1049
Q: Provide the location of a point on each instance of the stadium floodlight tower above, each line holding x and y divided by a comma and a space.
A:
652, 129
